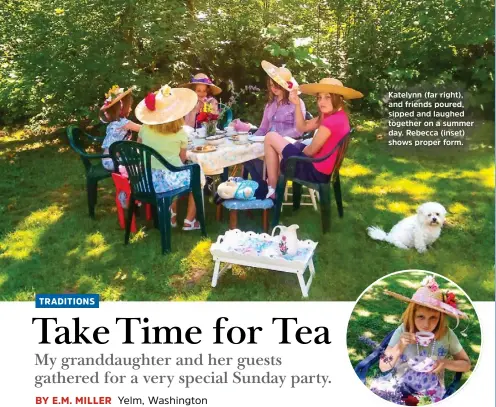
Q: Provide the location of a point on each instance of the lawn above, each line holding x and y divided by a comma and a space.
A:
49, 244
377, 314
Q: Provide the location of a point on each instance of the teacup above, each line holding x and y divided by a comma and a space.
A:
424, 338
201, 132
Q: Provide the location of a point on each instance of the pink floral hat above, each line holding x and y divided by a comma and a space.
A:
429, 295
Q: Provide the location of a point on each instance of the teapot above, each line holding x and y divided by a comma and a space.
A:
288, 241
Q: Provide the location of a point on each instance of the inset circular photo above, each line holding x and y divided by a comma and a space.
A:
414, 338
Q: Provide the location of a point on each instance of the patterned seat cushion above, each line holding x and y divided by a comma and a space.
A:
241, 205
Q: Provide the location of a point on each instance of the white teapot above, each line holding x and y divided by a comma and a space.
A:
288, 241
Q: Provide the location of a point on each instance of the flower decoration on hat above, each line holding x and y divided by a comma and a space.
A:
112, 93
450, 299
150, 101
166, 90
290, 84
430, 283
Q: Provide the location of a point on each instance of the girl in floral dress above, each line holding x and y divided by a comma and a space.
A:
116, 109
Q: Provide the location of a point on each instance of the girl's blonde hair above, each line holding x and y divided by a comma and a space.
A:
408, 318
167, 128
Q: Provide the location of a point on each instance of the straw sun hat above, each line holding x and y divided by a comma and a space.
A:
115, 94
166, 105
330, 85
429, 295
202, 79
281, 75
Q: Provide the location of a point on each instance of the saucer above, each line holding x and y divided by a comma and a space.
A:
256, 139
421, 364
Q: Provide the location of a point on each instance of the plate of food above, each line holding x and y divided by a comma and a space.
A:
204, 149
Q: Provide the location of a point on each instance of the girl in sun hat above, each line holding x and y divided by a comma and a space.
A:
116, 109
205, 90
332, 125
279, 113
419, 347
162, 114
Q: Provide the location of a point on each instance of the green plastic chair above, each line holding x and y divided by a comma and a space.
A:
323, 189
137, 158
92, 162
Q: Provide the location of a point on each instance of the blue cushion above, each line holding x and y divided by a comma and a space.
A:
241, 205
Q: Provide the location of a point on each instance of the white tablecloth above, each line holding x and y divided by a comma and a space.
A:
226, 155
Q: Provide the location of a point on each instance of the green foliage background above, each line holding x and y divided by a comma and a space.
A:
58, 58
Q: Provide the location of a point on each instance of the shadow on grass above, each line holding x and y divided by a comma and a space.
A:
76, 254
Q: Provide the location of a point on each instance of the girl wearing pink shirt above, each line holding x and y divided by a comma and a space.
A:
332, 125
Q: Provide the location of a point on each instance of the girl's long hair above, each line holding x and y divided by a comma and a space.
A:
271, 96
119, 109
337, 103
167, 128
408, 318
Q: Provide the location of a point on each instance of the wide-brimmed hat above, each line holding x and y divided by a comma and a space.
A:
114, 94
166, 105
429, 295
201, 79
281, 75
330, 85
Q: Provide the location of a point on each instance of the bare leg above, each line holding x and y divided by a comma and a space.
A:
173, 209
191, 212
273, 146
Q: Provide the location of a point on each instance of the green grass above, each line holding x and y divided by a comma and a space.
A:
49, 244
376, 314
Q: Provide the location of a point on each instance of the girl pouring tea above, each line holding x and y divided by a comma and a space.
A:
419, 347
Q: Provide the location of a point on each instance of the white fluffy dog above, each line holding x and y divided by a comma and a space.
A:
417, 231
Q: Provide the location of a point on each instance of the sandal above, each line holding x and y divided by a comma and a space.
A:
191, 224
173, 215
270, 193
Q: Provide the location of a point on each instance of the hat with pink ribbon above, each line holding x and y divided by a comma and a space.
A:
431, 296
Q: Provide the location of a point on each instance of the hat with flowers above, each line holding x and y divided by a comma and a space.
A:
166, 105
115, 94
281, 75
431, 296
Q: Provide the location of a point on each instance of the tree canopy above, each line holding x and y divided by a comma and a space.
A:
58, 58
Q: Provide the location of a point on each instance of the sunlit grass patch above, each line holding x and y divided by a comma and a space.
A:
22, 242
354, 170
401, 207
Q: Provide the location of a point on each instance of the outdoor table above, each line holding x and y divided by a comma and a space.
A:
226, 155
262, 251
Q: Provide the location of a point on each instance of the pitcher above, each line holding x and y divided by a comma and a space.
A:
288, 240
